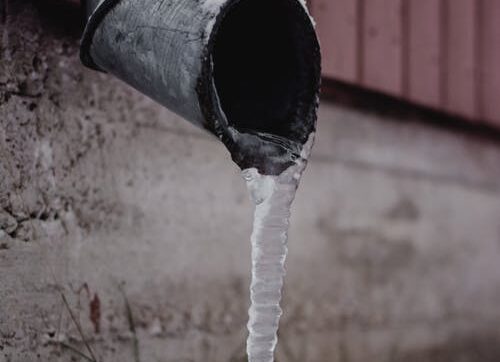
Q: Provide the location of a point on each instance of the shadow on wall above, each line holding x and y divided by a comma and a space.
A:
386, 106
59, 17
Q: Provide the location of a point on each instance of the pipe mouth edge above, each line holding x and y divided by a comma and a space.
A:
95, 18
274, 151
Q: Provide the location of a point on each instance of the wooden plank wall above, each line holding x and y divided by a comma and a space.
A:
382, 46
337, 21
443, 54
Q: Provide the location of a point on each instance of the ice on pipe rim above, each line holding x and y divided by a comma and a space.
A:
273, 197
215, 5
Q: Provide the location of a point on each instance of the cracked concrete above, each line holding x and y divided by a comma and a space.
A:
141, 222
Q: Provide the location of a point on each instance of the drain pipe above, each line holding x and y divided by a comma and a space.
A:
248, 71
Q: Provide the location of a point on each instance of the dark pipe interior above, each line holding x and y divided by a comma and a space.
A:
266, 67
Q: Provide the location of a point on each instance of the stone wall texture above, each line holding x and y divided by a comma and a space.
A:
124, 230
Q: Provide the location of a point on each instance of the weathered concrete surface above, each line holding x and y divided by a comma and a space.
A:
112, 201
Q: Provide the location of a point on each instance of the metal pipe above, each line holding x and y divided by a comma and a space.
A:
248, 71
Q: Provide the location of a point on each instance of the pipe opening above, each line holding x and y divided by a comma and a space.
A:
266, 68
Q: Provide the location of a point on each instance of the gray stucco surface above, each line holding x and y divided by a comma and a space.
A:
142, 223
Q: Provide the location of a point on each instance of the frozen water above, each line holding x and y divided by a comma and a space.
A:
273, 197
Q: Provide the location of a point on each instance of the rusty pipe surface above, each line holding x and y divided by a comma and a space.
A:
248, 71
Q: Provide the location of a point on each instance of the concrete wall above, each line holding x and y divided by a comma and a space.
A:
120, 218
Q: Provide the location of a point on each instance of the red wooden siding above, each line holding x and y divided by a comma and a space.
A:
424, 52
339, 20
382, 41
490, 57
461, 58
443, 54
